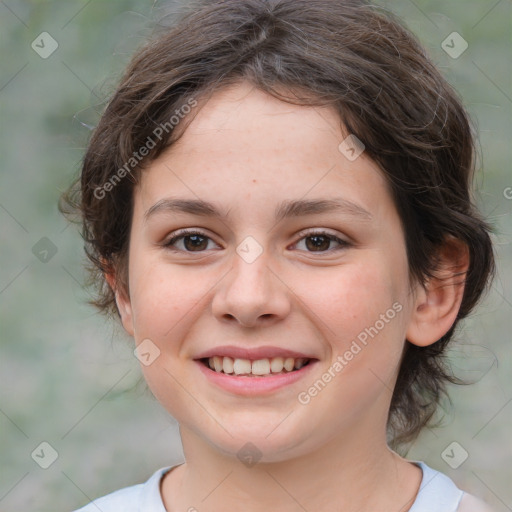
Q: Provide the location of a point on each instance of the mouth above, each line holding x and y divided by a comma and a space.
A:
256, 371
261, 368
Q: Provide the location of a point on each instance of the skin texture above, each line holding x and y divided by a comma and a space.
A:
246, 152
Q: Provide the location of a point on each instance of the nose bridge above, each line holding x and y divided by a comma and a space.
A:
251, 289
250, 270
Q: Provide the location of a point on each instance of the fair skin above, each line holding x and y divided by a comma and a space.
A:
247, 152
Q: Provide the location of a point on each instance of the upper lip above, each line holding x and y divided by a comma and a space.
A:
265, 352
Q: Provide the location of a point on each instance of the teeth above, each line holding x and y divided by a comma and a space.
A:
217, 364
288, 364
259, 367
227, 365
276, 364
241, 366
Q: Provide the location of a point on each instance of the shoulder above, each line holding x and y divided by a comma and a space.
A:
439, 492
126, 499
131, 499
470, 503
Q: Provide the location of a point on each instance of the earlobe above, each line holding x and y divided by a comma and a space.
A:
438, 301
123, 303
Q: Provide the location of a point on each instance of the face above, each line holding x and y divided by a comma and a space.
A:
294, 256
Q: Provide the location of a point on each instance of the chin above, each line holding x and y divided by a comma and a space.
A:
257, 443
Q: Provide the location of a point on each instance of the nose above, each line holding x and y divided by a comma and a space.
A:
251, 294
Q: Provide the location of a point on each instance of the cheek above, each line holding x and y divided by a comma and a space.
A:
361, 308
165, 302
162, 296
373, 320
349, 299
362, 320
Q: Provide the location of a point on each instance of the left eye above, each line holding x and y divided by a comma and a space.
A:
321, 241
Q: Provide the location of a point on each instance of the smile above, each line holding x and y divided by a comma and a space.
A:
258, 377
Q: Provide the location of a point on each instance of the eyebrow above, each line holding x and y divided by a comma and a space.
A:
286, 209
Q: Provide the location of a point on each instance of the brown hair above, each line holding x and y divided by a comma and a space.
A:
345, 54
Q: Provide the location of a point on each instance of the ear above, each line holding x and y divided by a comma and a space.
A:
122, 300
438, 301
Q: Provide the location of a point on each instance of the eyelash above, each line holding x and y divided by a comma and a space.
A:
187, 232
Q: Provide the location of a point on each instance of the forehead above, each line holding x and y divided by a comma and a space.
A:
242, 119
244, 143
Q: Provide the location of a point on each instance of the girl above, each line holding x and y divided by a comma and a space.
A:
276, 203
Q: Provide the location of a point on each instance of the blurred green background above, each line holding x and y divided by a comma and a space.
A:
69, 378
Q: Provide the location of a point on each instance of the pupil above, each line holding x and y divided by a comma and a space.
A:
318, 242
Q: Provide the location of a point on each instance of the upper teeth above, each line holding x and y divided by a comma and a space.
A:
258, 367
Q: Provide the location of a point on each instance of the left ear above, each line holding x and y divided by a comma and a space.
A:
438, 300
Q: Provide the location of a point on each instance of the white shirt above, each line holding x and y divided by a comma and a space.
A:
437, 493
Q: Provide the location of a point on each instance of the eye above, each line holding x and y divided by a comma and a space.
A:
190, 241
320, 241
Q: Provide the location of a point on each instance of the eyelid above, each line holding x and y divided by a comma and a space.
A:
318, 231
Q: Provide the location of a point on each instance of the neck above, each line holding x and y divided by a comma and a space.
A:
355, 473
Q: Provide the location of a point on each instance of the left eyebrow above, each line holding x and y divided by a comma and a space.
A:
286, 209
303, 207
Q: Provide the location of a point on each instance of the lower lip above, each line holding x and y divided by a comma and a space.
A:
254, 385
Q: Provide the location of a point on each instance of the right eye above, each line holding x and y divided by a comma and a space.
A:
190, 240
